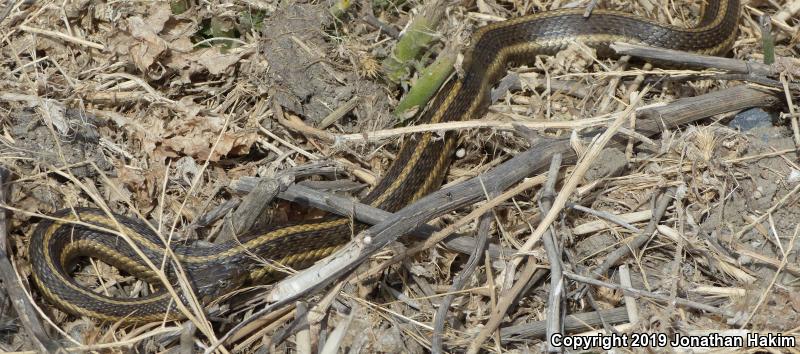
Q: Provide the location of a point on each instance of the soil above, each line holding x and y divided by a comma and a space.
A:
304, 80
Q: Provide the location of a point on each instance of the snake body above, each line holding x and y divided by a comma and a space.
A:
62, 239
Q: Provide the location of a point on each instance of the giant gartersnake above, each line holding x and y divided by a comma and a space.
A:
420, 167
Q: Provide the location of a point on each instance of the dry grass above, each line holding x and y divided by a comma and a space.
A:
130, 107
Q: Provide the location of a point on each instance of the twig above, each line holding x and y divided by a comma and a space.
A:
792, 113
685, 110
684, 58
759, 80
677, 259
374, 22
65, 37
7, 10
555, 299
364, 213
472, 124
613, 83
762, 259
338, 113
461, 280
303, 336
589, 8
299, 327
651, 295
295, 123
492, 289
569, 87
262, 326
187, 338
605, 215
630, 302
335, 339
253, 205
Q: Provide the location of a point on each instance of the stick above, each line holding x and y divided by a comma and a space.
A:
338, 113
630, 302
253, 205
658, 297
604, 215
460, 281
470, 124
65, 37
555, 299
365, 213
684, 58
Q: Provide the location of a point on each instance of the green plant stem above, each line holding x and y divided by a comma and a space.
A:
417, 36
430, 79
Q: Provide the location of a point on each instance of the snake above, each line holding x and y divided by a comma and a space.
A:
63, 238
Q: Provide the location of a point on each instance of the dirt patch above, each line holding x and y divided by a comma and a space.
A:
71, 138
610, 163
761, 184
302, 77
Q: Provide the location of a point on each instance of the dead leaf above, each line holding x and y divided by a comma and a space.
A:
160, 12
215, 61
147, 46
196, 136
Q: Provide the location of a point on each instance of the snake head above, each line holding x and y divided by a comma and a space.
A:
214, 280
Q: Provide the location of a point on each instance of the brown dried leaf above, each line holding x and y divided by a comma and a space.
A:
195, 137
216, 62
147, 45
